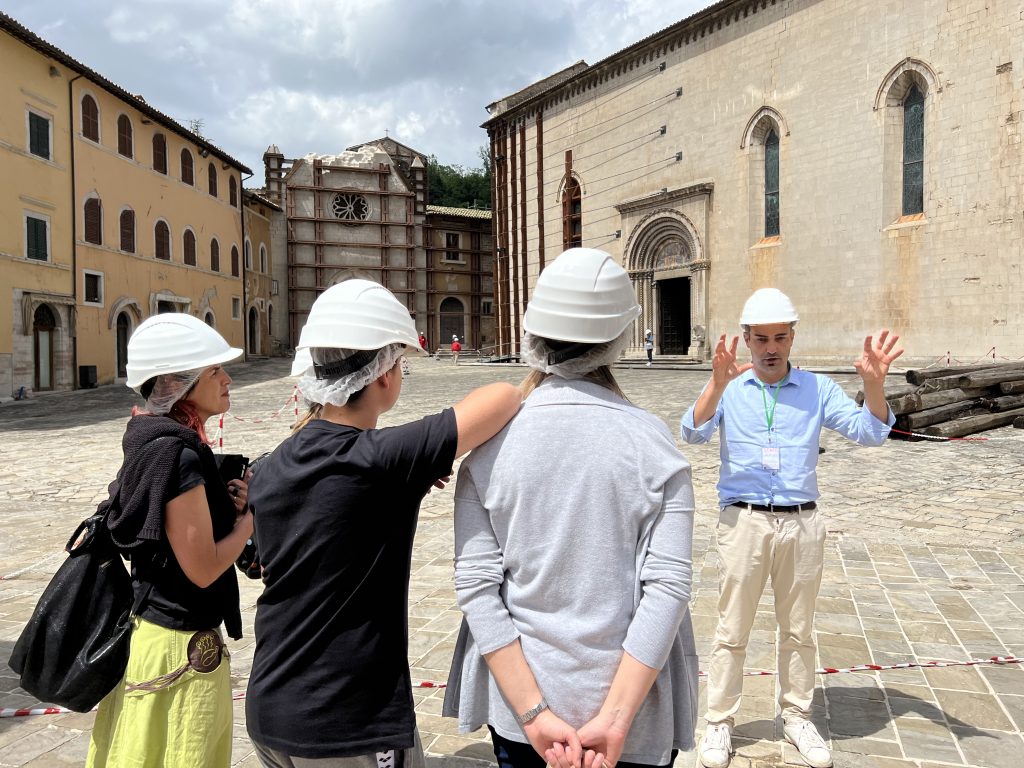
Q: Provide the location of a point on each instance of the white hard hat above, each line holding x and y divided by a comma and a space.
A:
582, 296
358, 314
648, 330
767, 306
171, 343
303, 362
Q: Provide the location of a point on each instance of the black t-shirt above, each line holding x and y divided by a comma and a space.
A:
335, 509
174, 600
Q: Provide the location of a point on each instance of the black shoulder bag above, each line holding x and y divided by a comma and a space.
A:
74, 649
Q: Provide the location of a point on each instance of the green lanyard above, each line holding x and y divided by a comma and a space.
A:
769, 415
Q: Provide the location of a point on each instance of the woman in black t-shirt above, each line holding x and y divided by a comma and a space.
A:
336, 506
182, 528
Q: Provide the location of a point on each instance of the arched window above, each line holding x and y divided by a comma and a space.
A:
233, 192
913, 152
90, 118
160, 153
771, 184
211, 173
188, 243
125, 145
215, 255
127, 228
234, 261
248, 254
162, 237
187, 174
572, 214
209, 320
93, 220
263, 258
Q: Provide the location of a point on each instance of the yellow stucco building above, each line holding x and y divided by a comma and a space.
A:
116, 212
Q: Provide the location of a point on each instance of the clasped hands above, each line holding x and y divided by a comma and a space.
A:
598, 744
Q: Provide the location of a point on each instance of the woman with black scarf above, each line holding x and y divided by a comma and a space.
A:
181, 527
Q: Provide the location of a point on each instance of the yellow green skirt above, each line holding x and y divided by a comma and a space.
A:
187, 724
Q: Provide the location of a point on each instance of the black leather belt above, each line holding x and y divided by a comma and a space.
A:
776, 507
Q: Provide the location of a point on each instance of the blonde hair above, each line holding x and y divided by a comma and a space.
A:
601, 375
314, 412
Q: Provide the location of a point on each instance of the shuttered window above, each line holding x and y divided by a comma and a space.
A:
39, 135
215, 256
187, 174
36, 238
93, 221
188, 241
212, 174
127, 227
233, 192
572, 215
90, 118
234, 261
162, 235
124, 137
159, 153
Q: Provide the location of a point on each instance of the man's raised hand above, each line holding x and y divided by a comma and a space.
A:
723, 365
873, 366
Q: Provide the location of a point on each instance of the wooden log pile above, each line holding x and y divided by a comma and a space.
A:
956, 402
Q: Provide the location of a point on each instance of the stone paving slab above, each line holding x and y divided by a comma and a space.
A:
925, 561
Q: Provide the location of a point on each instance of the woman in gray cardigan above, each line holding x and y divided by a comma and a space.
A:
573, 551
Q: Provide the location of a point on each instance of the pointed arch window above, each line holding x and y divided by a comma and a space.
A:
215, 255
90, 118
913, 152
160, 153
771, 184
211, 173
125, 144
572, 214
93, 220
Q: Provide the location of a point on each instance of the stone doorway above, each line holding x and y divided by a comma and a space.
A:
674, 316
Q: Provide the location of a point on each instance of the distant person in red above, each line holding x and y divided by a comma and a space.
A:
456, 348
423, 340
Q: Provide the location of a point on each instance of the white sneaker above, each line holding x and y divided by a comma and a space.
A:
648, 365
716, 746
812, 748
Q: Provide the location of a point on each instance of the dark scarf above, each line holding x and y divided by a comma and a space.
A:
148, 480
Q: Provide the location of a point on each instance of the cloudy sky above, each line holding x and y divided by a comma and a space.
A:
321, 75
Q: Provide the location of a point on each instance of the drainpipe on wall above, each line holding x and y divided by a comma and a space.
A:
245, 297
74, 229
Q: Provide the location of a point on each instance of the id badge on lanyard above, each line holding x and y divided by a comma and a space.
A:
770, 459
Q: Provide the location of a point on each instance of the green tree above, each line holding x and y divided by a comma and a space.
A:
455, 186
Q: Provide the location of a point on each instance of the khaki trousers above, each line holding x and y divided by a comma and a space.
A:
789, 547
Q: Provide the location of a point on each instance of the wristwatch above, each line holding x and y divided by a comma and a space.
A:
529, 714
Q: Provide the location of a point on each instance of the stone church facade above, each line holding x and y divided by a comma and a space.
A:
364, 213
861, 155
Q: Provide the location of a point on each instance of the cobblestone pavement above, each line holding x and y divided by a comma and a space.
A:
925, 561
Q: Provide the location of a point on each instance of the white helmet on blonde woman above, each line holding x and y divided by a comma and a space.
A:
359, 314
582, 296
173, 343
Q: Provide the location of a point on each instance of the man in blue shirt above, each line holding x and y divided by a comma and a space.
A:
771, 416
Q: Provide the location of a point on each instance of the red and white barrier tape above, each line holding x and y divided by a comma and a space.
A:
239, 695
955, 439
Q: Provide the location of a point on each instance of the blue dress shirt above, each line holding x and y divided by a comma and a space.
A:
806, 403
